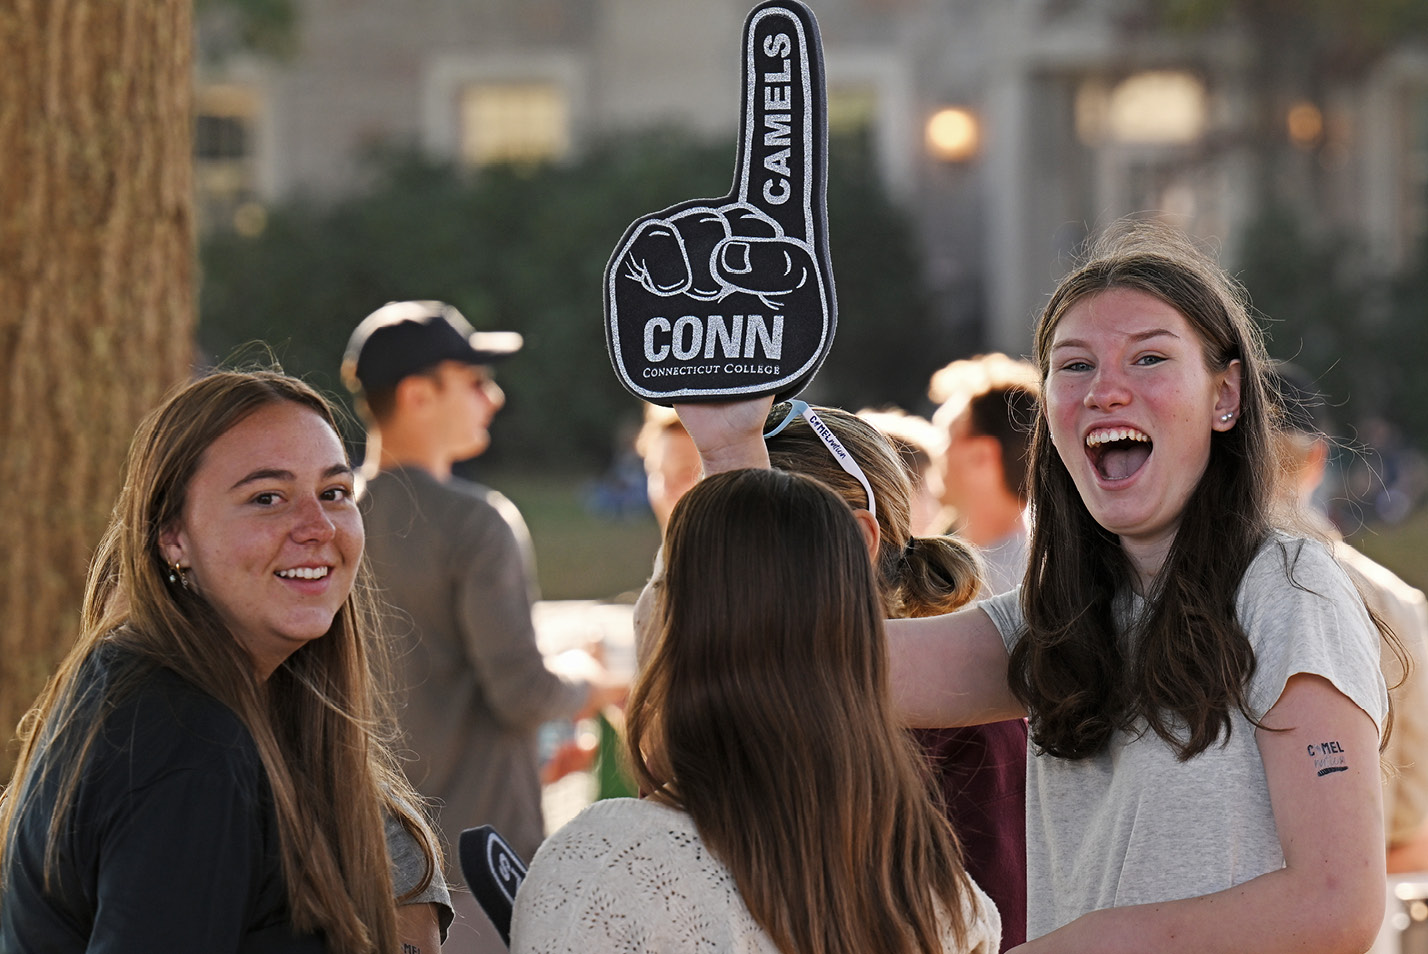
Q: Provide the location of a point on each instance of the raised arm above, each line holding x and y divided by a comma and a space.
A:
729, 436
950, 670
1322, 768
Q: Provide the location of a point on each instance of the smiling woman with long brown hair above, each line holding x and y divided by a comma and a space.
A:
206, 770
1203, 686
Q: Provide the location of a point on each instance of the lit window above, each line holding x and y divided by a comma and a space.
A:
514, 122
220, 137
223, 124
225, 156
1152, 108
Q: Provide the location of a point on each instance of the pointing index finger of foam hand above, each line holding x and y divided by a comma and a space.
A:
782, 164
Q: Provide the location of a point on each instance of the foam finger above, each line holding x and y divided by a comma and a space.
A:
762, 266
657, 259
782, 163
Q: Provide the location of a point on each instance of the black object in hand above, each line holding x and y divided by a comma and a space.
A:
493, 872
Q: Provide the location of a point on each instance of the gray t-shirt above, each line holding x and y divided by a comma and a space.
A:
408, 866
1132, 825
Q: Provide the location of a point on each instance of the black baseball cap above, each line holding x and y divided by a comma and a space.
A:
404, 337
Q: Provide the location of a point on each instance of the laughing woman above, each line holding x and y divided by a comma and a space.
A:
203, 773
1203, 689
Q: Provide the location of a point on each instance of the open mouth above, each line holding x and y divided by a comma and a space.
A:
1118, 452
305, 573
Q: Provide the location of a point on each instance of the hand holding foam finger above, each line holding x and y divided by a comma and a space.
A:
728, 435
715, 299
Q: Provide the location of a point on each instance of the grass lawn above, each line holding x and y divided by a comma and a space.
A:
1403, 547
580, 555
583, 555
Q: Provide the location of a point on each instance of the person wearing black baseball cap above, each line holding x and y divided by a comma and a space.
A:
453, 560
431, 345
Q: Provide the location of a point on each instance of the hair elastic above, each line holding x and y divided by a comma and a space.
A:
835, 447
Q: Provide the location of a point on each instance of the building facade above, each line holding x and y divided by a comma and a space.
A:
1008, 128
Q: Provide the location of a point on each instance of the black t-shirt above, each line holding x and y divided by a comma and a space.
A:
172, 843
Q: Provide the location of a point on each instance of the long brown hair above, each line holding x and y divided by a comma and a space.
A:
1192, 660
319, 722
764, 713
916, 576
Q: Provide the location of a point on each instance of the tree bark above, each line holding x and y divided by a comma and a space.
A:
96, 292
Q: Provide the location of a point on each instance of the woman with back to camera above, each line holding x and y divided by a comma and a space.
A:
204, 772
786, 811
1203, 689
980, 769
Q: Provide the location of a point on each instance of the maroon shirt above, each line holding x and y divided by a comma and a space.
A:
981, 770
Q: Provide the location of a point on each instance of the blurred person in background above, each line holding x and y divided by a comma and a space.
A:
920, 444
207, 769
986, 406
670, 458
455, 566
1303, 445
666, 447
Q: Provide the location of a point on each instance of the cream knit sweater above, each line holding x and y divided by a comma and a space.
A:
633, 877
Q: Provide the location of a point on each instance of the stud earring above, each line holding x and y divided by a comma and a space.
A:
1225, 418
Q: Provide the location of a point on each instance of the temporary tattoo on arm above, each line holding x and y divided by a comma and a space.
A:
1329, 757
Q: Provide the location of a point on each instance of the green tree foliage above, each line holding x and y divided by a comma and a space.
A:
1345, 34
1360, 334
1299, 51
266, 27
1307, 293
1360, 331
1404, 347
888, 343
524, 248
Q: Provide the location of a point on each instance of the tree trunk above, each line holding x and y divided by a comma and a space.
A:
96, 292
